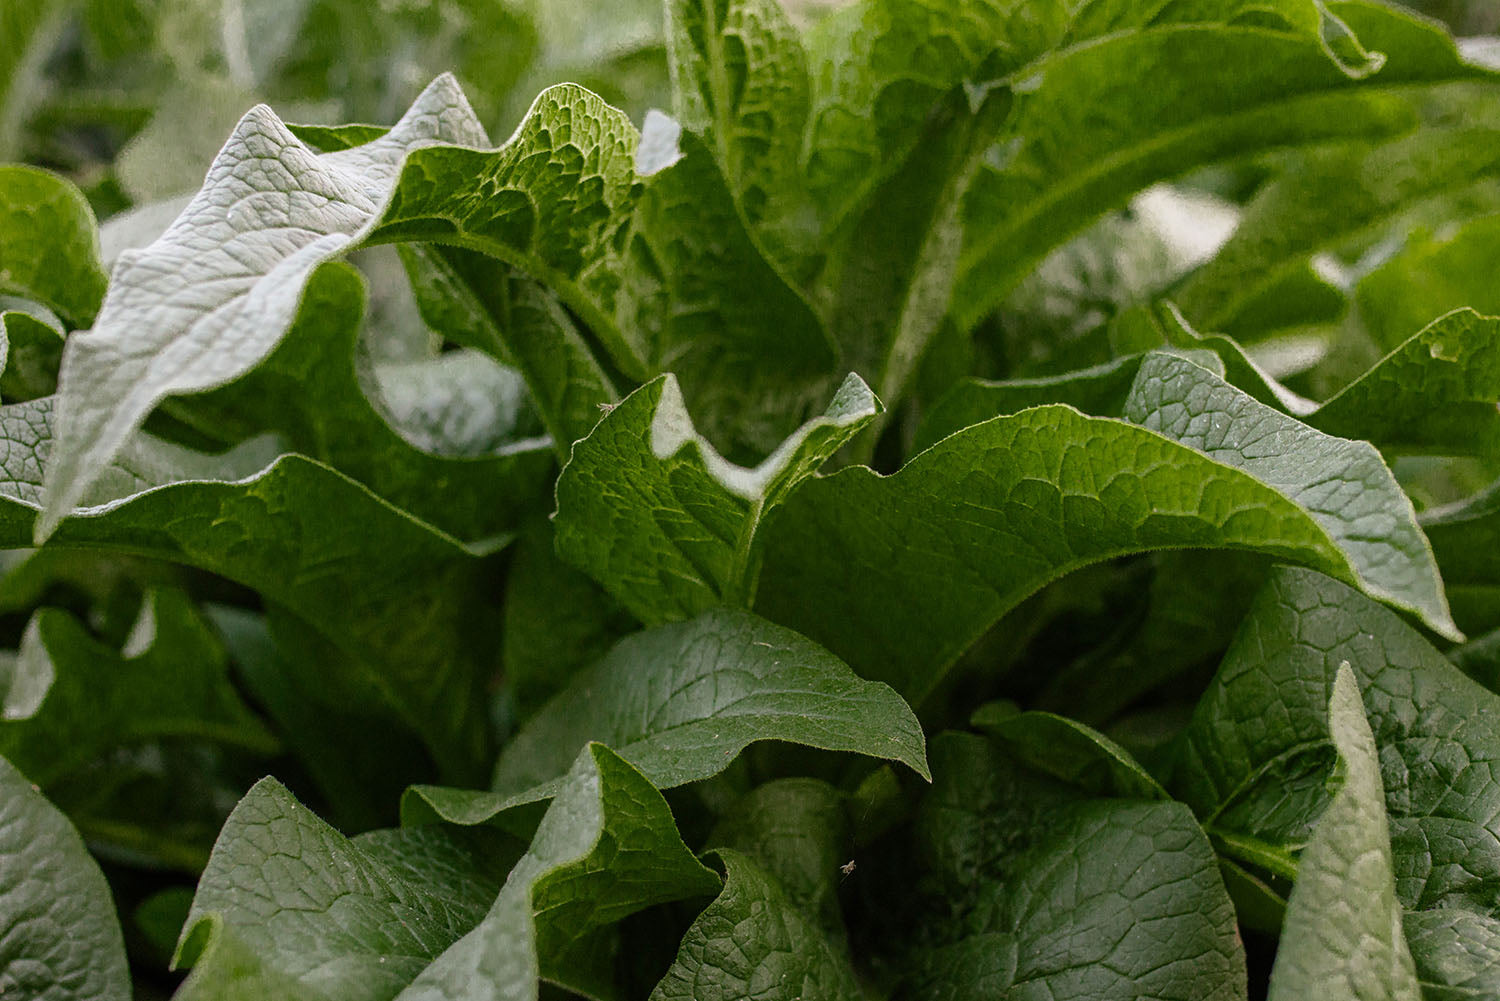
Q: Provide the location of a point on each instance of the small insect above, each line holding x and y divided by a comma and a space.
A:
847, 869
606, 407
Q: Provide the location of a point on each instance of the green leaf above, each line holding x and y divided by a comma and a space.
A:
899, 575
1042, 891
453, 468
741, 80
71, 698
1254, 761
172, 324
1342, 937
289, 908
1097, 122
681, 700
394, 595
730, 679
752, 354
754, 941
606, 848
59, 937
1331, 197
796, 831
680, 285
650, 509
1436, 392
1072, 753
49, 245
1373, 523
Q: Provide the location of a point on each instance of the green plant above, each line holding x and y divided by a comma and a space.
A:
962, 578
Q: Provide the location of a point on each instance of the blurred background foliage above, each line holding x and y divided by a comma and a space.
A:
131, 98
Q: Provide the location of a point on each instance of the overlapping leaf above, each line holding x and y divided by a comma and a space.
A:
683, 524
70, 698
680, 701
1342, 938
1040, 888
288, 908
900, 574
1254, 763
606, 848
295, 530
465, 462
59, 938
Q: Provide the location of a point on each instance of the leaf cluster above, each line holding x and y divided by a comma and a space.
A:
981, 498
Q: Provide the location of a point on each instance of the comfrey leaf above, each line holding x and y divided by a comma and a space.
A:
1254, 763
59, 937
660, 271
606, 848
650, 509
1342, 938
900, 574
681, 701
215, 293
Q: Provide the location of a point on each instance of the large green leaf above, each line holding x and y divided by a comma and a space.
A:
396, 596
900, 574
49, 246
309, 391
650, 509
658, 268
1041, 892
1342, 938
1436, 392
755, 941
288, 908
606, 848
1100, 120
1373, 523
59, 936
71, 698
175, 322
741, 80
680, 701
1254, 762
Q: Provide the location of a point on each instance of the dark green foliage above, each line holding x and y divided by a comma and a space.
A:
983, 500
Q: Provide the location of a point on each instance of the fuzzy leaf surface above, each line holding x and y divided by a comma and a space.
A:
1342, 937
648, 507
900, 574
59, 935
